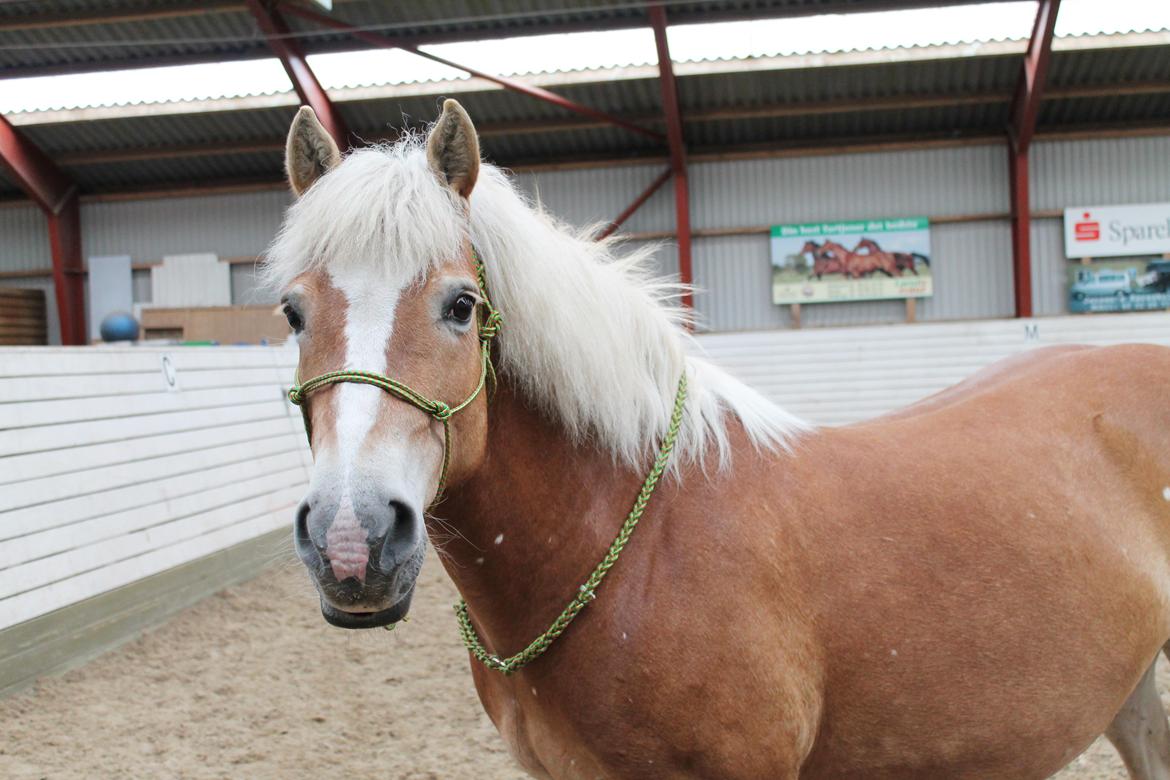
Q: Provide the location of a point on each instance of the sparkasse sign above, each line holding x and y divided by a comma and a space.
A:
1117, 231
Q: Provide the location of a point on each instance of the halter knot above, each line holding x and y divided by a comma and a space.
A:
295, 396
441, 411
490, 327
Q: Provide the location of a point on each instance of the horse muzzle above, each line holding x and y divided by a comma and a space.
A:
364, 564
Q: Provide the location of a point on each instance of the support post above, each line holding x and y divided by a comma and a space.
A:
53, 191
637, 204
1021, 129
678, 153
68, 271
386, 42
304, 81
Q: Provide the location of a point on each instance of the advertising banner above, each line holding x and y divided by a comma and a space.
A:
1134, 284
862, 260
1117, 231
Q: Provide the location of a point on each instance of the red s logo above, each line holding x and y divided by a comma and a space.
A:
1087, 230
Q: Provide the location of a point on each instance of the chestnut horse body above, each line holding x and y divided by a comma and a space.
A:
822, 615
974, 587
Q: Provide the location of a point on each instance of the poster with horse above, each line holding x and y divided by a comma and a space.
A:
862, 260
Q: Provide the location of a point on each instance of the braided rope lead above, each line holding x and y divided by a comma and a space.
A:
587, 592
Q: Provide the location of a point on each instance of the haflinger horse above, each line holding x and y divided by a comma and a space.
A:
974, 587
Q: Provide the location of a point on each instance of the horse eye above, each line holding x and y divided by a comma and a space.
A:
461, 309
294, 319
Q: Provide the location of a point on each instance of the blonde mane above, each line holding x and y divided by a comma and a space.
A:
589, 337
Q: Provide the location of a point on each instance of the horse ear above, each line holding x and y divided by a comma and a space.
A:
309, 152
453, 149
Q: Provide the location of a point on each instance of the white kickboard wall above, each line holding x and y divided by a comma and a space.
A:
109, 474
834, 376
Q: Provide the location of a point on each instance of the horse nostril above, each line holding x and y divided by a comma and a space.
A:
308, 551
301, 524
401, 537
403, 520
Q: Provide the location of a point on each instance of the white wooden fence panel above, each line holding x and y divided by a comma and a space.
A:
113, 469
41, 544
35, 465
19, 522
834, 376
60, 594
68, 435
108, 475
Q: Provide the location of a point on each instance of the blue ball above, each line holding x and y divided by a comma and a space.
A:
119, 326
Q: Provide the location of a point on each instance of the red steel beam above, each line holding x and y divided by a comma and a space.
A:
304, 81
386, 42
637, 204
678, 151
68, 273
56, 194
1021, 130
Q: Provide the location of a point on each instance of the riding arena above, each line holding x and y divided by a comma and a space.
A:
558, 389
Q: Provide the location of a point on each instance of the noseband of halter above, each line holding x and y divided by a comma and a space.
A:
489, 325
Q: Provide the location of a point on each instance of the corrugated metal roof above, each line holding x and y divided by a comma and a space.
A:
788, 102
67, 35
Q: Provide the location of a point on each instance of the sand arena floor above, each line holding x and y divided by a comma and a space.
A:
251, 683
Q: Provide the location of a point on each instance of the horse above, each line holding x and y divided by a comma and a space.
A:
903, 261
858, 265
974, 587
824, 261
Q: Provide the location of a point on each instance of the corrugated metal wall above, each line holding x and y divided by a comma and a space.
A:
1100, 171
931, 182
227, 225
972, 268
24, 239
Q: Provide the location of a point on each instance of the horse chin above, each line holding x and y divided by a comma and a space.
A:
385, 617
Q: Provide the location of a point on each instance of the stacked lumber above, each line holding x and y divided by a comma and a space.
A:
23, 320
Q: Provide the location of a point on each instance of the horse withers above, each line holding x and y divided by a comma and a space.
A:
974, 587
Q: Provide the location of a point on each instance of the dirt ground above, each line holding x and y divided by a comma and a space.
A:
251, 683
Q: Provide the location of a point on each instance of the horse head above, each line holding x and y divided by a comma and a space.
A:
381, 289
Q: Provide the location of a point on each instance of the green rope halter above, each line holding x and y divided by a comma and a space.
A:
588, 591
489, 326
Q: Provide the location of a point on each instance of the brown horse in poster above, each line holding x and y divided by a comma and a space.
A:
902, 261
825, 261
975, 587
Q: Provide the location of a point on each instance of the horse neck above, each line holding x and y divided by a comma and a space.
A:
523, 532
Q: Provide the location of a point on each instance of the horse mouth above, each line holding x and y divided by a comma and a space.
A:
384, 617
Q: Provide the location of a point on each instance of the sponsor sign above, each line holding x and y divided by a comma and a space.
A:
1133, 284
860, 260
1117, 231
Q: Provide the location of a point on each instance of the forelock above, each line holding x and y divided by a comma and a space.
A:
382, 208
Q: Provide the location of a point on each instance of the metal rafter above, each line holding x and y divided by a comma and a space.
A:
1021, 130
56, 194
636, 204
386, 42
678, 153
304, 81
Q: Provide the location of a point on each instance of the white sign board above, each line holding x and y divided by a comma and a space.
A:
1117, 231
110, 290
